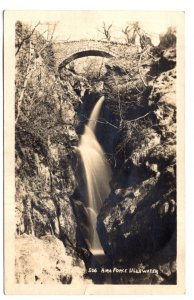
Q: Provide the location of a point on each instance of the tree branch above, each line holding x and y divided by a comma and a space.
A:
139, 66
103, 122
26, 38
30, 67
108, 123
48, 42
140, 117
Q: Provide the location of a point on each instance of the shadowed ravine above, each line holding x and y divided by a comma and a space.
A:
86, 222
97, 175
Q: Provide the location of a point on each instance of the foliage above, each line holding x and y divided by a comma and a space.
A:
168, 39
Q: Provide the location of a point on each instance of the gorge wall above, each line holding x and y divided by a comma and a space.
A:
137, 130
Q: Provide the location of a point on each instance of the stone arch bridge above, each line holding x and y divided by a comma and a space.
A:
66, 52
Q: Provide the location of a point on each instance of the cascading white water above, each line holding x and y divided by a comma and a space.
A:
97, 173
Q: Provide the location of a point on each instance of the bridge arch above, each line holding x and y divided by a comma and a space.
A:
84, 54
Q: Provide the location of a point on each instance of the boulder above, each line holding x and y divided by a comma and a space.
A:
45, 261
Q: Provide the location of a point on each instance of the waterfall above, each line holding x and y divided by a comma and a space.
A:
97, 173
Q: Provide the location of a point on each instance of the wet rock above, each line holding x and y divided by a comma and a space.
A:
132, 218
137, 222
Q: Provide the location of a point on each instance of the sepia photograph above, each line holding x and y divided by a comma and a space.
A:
93, 120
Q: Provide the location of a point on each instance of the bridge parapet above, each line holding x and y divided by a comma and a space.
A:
66, 49
65, 52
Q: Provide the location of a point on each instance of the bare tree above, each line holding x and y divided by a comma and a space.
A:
106, 31
129, 35
33, 53
131, 32
25, 38
134, 31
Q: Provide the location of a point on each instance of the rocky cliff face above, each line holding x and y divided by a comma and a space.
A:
44, 159
137, 129
45, 261
137, 223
